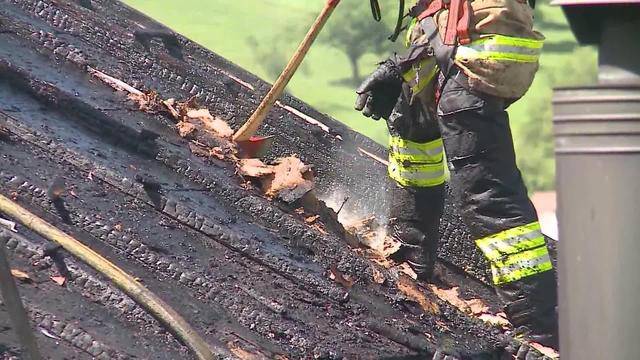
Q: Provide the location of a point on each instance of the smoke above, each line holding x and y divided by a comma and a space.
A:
359, 222
338, 201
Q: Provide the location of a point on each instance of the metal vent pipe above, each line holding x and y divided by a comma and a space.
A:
597, 132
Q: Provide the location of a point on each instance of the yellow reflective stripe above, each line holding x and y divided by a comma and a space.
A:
412, 25
467, 53
512, 241
522, 265
507, 49
421, 75
502, 48
409, 75
417, 175
516, 253
424, 81
406, 150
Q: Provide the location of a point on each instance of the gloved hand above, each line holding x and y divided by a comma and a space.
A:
378, 93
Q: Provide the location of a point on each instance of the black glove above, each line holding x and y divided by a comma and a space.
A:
378, 93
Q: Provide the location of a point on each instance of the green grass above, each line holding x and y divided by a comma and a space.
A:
228, 28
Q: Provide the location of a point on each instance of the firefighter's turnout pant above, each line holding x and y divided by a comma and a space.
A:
472, 129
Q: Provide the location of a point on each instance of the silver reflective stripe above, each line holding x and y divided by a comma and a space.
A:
510, 245
505, 49
529, 265
416, 152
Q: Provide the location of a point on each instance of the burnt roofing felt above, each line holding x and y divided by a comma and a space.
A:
253, 275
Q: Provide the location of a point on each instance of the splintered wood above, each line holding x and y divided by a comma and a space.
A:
287, 179
373, 236
192, 120
204, 121
340, 278
378, 247
254, 168
289, 173
243, 354
411, 290
116, 84
21, 275
474, 307
149, 101
186, 130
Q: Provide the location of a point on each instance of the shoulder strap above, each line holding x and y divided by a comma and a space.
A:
458, 21
443, 53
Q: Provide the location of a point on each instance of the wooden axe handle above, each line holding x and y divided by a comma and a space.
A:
257, 118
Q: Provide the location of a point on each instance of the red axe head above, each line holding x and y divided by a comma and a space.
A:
255, 147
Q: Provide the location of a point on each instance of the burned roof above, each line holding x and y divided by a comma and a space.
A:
257, 276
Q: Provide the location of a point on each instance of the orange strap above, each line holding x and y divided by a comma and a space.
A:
458, 22
434, 7
464, 22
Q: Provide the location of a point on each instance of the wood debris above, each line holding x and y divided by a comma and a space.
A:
546, 351
148, 102
340, 278
408, 287
452, 296
217, 152
21, 276
289, 173
311, 219
202, 118
116, 84
288, 178
499, 320
373, 156
378, 276
405, 269
169, 104
379, 259
304, 117
198, 149
48, 334
211, 134
237, 349
240, 353
477, 306
319, 227
373, 236
181, 112
254, 168
60, 280
186, 130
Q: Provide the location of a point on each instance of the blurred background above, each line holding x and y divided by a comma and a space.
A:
260, 35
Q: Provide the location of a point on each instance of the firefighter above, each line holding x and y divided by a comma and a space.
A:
467, 61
